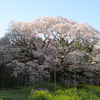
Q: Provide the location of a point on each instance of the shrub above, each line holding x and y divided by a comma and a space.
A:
62, 97
67, 94
40, 95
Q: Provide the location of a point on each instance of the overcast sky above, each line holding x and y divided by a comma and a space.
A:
26, 10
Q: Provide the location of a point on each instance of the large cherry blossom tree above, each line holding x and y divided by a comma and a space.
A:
44, 43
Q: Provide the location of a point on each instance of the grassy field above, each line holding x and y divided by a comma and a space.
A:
36, 92
14, 94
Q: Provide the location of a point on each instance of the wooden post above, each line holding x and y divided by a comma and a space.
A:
55, 79
75, 77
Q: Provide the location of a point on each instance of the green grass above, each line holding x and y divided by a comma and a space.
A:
82, 92
19, 94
